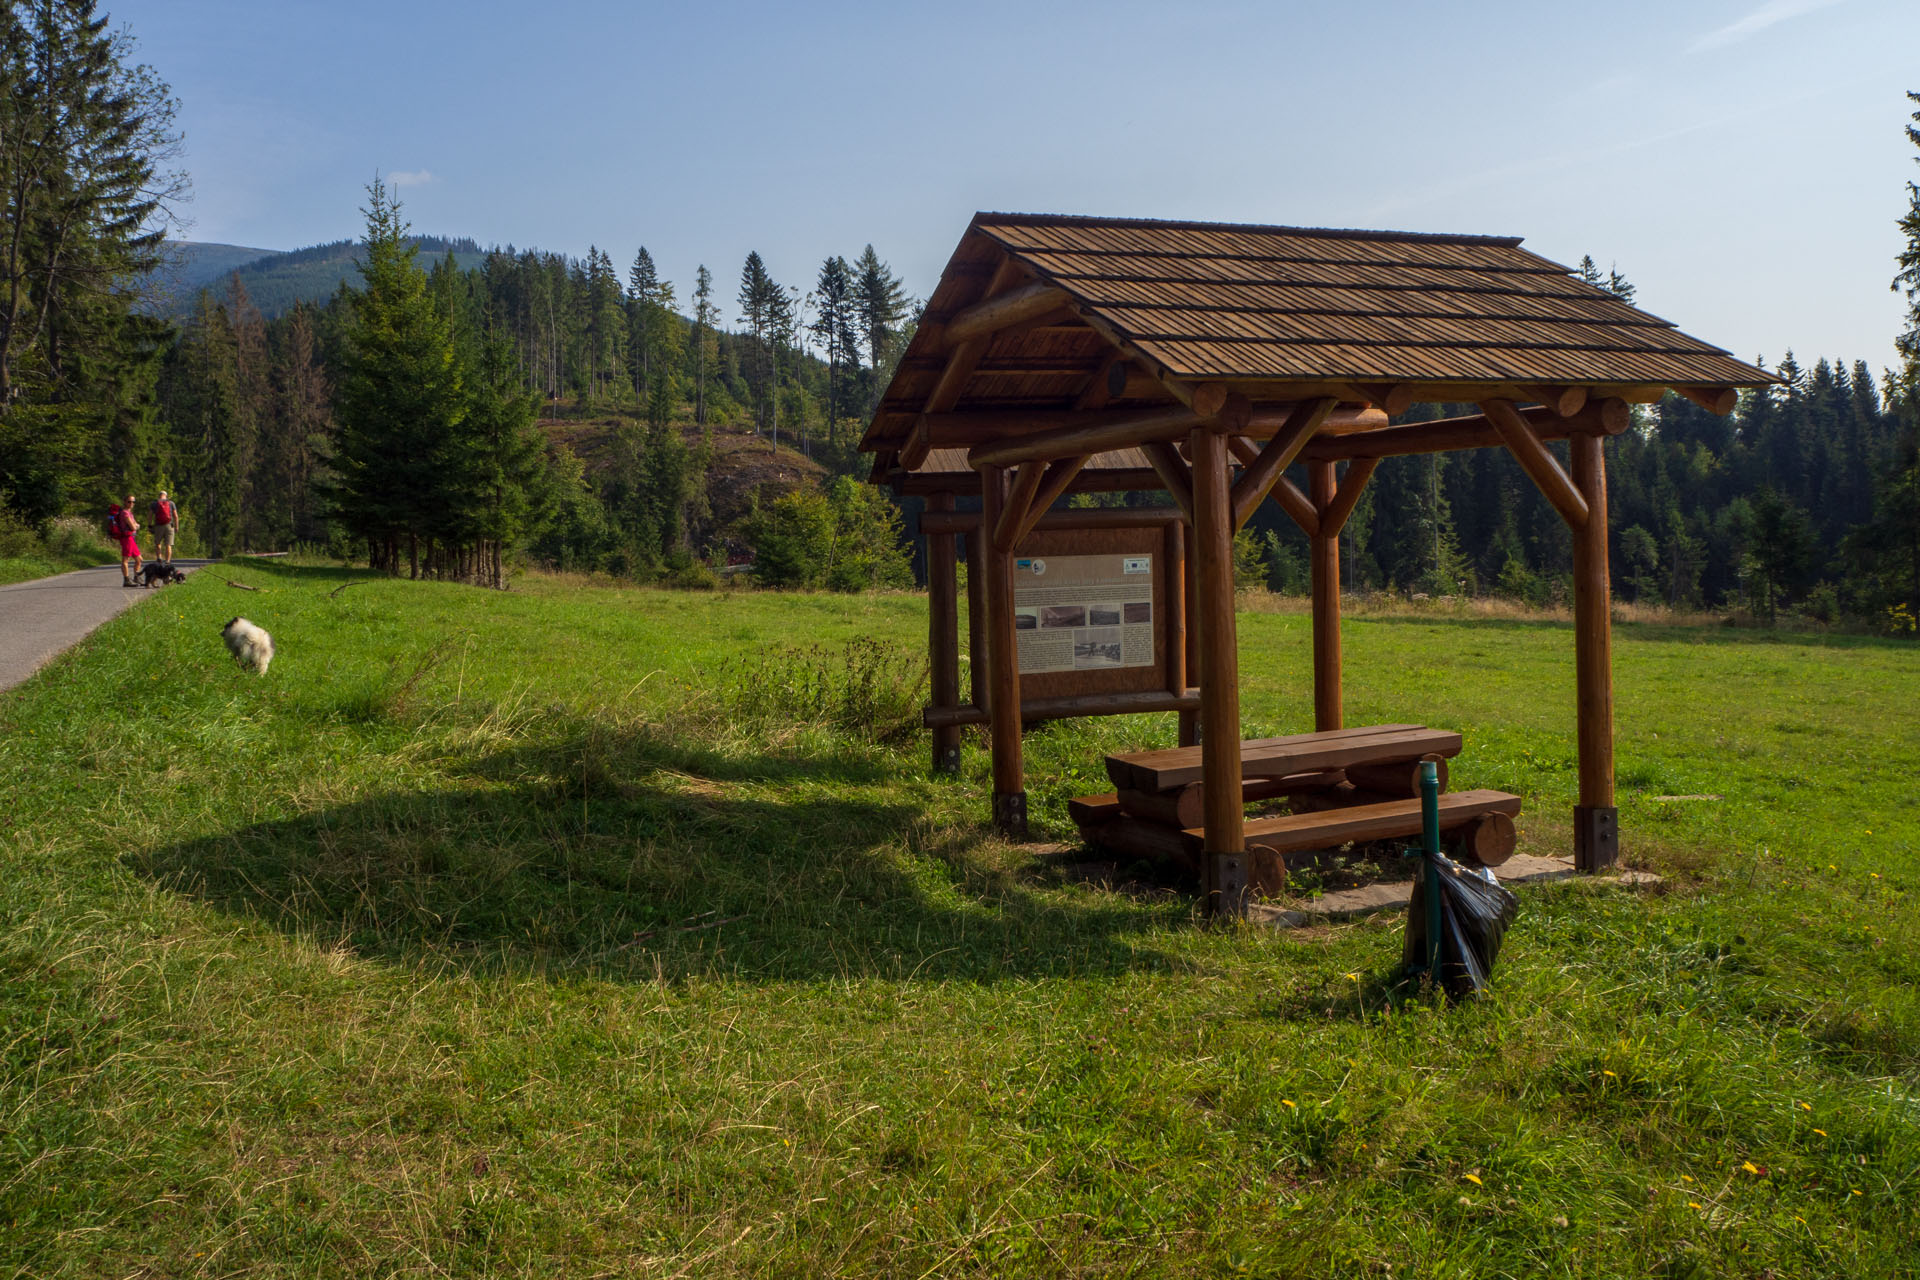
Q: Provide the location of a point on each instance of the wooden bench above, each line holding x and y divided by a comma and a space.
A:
1294, 832
1299, 753
1355, 784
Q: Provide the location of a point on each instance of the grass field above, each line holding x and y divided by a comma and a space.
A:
530, 934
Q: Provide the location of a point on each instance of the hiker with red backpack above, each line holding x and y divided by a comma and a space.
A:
166, 519
124, 530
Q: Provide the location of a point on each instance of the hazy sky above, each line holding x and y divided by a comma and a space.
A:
1741, 161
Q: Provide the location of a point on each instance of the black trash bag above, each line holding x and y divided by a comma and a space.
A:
1474, 914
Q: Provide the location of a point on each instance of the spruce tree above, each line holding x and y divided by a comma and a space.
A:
86, 137
401, 399
833, 325
705, 316
760, 301
880, 302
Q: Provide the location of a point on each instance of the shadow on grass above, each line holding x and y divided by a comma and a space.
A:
648, 861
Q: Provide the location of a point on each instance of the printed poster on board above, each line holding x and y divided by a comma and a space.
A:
1083, 613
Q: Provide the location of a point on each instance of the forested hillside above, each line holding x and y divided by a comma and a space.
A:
439, 408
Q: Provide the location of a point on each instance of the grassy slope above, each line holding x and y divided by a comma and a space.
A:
501, 934
72, 544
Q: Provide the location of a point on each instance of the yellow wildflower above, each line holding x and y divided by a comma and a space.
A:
1474, 1179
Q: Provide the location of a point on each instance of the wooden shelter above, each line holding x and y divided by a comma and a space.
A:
1067, 354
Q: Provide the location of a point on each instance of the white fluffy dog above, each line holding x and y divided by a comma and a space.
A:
249, 645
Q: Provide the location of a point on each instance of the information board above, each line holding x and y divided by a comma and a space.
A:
1083, 613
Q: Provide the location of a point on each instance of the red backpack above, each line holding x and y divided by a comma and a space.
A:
163, 511
117, 522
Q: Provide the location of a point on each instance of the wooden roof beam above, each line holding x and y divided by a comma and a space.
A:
1100, 387
960, 366
1715, 400
1565, 401
1536, 461
1258, 479
1604, 417
1087, 433
1002, 309
1394, 398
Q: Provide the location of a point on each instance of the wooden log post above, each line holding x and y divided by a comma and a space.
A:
976, 619
1324, 558
1003, 660
1173, 545
1189, 720
1224, 858
1596, 822
943, 635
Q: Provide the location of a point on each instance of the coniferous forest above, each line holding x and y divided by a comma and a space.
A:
449, 420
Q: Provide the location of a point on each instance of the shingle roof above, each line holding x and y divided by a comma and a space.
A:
1285, 302
1256, 304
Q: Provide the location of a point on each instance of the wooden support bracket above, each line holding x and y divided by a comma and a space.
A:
1347, 496
1058, 476
1026, 483
1295, 503
1174, 474
1517, 435
1257, 480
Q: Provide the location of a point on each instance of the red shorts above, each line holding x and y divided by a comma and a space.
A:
129, 547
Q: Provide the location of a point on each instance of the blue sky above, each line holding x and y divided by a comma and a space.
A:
1741, 161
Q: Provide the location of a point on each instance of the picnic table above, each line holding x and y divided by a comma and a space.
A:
1344, 786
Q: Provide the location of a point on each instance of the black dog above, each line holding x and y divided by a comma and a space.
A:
159, 574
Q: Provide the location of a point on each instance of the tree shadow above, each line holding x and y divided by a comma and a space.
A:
648, 862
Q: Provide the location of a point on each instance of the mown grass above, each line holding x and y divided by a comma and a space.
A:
530, 934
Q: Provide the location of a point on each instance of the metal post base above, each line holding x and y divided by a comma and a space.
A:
1010, 814
1226, 885
946, 757
1596, 837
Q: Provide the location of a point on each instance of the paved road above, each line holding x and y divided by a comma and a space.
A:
40, 620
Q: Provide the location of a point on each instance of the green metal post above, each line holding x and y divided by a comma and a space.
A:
1430, 838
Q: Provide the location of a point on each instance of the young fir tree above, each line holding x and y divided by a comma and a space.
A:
400, 402
705, 316
643, 288
507, 456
